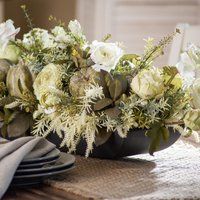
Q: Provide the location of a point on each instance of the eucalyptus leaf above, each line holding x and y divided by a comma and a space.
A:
12, 105
9, 115
113, 112
155, 134
165, 133
123, 81
4, 131
105, 80
170, 70
115, 89
102, 136
102, 103
4, 67
6, 100
19, 125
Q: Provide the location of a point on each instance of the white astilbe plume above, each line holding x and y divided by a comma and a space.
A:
92, 93
78, 126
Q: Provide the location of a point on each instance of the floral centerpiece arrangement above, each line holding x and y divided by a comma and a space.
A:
56, 81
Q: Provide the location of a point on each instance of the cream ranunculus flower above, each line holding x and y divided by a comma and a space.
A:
7, 33
11, 52
148, 83
192, 119
46, 82
105, 55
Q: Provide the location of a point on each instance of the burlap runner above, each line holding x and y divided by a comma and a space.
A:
173, 173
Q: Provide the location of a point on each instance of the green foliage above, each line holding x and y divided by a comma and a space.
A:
153, 51
27, 17
156, 133
113, 87
58, 83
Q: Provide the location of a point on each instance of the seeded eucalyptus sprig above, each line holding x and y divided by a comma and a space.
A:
155, 51
27, 17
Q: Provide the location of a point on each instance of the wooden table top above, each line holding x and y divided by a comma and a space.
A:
39, 192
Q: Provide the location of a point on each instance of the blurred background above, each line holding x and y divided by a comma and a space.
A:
129, 21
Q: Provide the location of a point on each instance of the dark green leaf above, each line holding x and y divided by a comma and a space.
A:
115, 89
165, 133
123, 81
4, 131
102, 136
155, 134
19, 125
170, 70
103, 82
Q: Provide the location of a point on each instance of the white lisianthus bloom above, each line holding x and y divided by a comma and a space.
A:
41, 36
105, 55
7, 33
189, 65
61, 36
148, 83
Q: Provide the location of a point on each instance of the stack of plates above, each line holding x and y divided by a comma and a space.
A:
34, 171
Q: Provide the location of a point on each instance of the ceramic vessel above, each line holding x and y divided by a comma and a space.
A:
135, 143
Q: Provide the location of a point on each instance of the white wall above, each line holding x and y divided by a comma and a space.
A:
131, 21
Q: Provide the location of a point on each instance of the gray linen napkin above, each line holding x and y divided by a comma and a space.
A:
13, 152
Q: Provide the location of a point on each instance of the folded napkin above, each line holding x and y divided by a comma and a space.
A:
13, 152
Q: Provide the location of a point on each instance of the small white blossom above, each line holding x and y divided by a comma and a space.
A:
105, 55
61, 36
41, 35
7, 33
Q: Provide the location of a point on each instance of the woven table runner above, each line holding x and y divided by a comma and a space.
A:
173, 173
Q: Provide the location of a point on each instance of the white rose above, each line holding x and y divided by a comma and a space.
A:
11, 52
148, 83
105, 55
41, 35
7, 33
189, 65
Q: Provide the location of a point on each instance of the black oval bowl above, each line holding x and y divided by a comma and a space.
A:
135, 143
